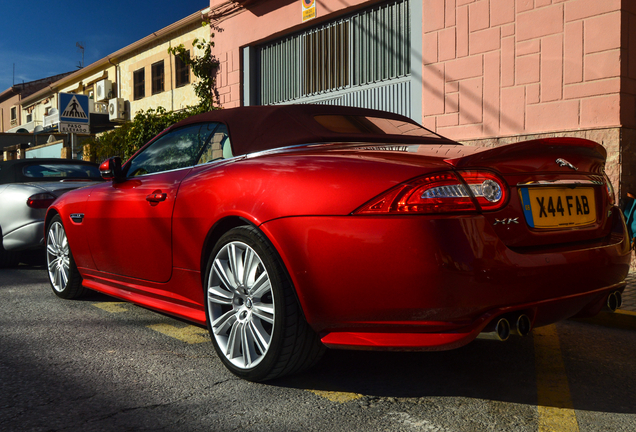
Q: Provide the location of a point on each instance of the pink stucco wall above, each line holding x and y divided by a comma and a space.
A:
489, 67
509, 67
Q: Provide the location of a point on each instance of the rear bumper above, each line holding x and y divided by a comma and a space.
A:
434, 283
540, 313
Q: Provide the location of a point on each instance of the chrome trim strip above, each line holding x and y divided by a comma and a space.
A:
561, 183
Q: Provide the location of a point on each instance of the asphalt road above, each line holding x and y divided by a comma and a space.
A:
98, 364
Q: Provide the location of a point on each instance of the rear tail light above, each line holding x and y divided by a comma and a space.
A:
41, 200
446, 192
488, 189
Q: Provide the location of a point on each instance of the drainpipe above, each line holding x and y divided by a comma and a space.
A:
117, 77
171, 77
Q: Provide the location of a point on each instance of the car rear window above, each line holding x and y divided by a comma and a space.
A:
61, 171
372, 125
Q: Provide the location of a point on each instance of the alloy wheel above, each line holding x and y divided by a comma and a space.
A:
240, 305
58, 256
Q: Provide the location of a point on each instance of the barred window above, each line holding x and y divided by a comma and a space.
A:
369, 47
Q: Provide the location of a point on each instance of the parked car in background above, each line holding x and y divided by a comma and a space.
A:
27, 188
288, 229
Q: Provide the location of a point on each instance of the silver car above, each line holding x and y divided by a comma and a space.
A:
27, 188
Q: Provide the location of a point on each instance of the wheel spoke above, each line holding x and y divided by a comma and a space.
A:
247, 346
218, 295
249, 266
236, 263
260, 336
58, 278
264, 311
234, 342
53, 264
50, 249
261, 286
224, 272
64, 274
224, 322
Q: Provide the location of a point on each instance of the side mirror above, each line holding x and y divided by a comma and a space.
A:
110, 169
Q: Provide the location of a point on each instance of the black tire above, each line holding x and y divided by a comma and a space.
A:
64, 277
281, 347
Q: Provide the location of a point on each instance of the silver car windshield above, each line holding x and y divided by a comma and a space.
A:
64, 171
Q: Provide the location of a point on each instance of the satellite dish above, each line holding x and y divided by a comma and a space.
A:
53, 111
22, 130
38, 129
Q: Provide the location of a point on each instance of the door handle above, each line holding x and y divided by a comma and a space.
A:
156, 197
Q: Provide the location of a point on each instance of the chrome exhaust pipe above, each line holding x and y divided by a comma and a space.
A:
523, 326
614, 300
501, 332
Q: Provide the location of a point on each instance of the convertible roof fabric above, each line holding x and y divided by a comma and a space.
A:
259, 128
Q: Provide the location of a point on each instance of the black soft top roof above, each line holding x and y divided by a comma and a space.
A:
257, 128
11, 171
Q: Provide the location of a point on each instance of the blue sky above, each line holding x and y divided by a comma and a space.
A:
40, 36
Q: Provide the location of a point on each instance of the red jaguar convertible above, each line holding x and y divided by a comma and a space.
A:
288, 229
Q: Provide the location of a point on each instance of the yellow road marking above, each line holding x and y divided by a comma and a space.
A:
340, 397
190, 334
625, 312
556, 413
112, 307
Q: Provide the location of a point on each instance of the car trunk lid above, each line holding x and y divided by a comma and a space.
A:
558, 191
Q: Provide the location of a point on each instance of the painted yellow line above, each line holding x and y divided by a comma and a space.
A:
112, 307
190, 334
339, 397
556, 413
625, 312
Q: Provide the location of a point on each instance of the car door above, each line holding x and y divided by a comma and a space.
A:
129, 223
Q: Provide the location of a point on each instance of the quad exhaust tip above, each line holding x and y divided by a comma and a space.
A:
523, 326
502, 331
614, 300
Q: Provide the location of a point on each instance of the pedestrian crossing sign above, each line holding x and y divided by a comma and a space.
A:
73, 108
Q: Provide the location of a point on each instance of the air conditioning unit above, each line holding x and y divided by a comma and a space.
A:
103, 90
116, 109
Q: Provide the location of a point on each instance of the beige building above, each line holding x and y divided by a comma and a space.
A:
140, 76
10, 102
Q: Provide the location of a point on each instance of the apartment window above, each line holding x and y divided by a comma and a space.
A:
157, 77
139, 84
14, 114
182, 71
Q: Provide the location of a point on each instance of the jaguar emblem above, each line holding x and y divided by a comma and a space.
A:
563, 163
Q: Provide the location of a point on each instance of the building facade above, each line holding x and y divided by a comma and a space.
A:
483, 72
140, 76
11, 118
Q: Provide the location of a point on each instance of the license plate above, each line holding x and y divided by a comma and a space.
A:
557, 207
